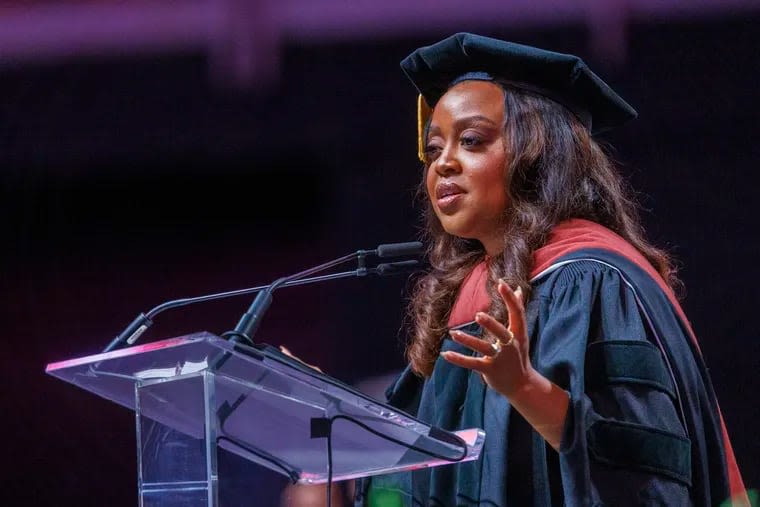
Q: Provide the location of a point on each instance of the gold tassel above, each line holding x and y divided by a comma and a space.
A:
423, 113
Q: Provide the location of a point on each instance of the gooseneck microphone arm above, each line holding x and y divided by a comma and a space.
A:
144, 320
249, 322
251, 319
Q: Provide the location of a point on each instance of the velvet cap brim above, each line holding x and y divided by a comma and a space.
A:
561, 77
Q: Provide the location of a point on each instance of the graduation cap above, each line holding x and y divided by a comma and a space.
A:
561, 77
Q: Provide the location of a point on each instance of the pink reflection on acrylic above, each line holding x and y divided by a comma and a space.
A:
137, 349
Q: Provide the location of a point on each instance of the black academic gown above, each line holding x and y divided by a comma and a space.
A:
642, 428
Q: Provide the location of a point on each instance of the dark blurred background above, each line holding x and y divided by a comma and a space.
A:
151, 150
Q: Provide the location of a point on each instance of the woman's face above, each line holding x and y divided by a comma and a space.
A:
467, 157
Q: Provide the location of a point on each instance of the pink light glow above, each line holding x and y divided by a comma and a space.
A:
137, 349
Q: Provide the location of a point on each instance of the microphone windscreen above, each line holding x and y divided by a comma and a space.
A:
399, 249
394, 268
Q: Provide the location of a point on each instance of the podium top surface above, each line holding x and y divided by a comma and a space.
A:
265, 404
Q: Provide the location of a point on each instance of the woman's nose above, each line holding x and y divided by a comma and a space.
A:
447, 162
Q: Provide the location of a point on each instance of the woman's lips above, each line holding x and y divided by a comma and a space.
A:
447, 196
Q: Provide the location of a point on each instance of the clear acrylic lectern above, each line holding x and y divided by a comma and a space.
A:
195, 393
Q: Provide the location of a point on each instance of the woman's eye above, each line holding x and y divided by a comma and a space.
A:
432, 151
470, 140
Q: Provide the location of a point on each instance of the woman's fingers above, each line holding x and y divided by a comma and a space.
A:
484, 347
492, 326
502, 357
287, 352
515, 307
479, 363
469, 362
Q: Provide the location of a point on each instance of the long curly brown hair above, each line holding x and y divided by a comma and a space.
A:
557, 172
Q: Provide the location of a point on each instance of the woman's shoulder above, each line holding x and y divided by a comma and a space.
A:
595, 268
588, 247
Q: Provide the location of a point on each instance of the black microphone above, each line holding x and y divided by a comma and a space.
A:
251, 319
399, 249
395, 268
144, 320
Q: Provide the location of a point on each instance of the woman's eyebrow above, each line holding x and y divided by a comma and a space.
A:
476, 118
466, 121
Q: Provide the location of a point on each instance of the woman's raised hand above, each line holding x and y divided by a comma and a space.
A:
503, 360
504, 364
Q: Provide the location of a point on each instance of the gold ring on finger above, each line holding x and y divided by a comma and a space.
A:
511, 338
